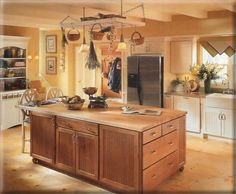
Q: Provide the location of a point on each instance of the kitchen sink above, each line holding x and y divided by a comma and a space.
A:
219, 100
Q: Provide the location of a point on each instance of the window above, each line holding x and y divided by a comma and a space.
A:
222, 59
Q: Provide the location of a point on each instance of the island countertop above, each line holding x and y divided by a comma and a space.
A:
112, 115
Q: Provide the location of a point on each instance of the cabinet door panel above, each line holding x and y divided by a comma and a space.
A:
65, 149
87, 155
192, 107
43, 137
212, 121
181, 56
228, 124
120, 158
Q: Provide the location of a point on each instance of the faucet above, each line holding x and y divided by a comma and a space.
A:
227, 90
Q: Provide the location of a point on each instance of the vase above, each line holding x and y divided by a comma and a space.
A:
207, 85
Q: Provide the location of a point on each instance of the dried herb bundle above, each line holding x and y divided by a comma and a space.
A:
92, 61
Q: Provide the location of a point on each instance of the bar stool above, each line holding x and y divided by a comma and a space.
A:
53, 92
29, 96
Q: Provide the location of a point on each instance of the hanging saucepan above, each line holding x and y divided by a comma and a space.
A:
73, 34
96, 35
136, 38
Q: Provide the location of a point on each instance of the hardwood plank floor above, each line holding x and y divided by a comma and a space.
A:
209, 168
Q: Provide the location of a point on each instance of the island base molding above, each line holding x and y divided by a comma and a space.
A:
117, 159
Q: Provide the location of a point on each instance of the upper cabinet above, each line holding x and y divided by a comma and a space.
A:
182, 55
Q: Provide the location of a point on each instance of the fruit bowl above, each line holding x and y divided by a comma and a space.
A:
73, 103
90, 90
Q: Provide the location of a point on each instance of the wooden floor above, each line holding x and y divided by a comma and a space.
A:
209, 168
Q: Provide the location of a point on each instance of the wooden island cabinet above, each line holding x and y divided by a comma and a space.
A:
131, 153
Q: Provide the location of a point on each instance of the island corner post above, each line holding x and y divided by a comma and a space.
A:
109, 153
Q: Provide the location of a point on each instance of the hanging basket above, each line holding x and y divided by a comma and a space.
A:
136, 38
96, 35
73, 35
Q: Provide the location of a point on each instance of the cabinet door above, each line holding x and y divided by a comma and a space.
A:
87, 155
42, 137
192, 107
228, 124
168, 101
120, 166
180, 56
65, 149
11, 114
213, 123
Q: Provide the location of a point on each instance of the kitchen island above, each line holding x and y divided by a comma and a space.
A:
121, 152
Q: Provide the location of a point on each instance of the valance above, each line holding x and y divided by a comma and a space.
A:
219, 46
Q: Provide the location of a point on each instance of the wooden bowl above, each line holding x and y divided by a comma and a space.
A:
74, 106
90, 90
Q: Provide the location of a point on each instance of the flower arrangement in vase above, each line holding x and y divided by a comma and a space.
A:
206, 72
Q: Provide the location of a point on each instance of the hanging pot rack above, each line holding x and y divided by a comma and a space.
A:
105, 20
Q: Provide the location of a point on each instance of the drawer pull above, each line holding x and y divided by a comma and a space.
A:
153, 152
170, 143
90, 130
153, 134
170, 126
153, 176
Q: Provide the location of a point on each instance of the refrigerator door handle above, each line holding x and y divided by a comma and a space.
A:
139, 88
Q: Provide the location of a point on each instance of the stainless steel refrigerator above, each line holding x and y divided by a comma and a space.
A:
145, 80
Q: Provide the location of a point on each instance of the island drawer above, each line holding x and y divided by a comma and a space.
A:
151, 134
159, 171
158, 149
170, 126
77, 125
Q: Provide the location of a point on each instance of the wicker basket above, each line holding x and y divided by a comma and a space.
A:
138, 40
96, 35
74, 106
73, 35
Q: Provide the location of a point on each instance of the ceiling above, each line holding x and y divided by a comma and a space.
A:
48, 13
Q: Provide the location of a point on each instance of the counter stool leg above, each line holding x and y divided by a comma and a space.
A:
23, 137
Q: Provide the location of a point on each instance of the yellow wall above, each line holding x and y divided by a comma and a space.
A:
33, 47
217, 23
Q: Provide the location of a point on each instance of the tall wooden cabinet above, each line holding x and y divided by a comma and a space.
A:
42, 137
119, 158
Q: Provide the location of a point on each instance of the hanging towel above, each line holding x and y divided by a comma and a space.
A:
114, 76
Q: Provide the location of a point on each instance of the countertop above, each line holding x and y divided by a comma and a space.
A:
188, 94
111, 116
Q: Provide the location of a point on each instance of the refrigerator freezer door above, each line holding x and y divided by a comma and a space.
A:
132, 90
151, 80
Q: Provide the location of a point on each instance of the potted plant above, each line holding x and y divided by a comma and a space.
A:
206, 72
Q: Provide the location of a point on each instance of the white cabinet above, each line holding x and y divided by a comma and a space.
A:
192, 107
182, 55
168, 101
9, 114
219, 122
213, 121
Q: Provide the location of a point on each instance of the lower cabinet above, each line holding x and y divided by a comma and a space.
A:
192, 106
65, 149
77, 152
42, 137
219, 122
87, 155
119, 158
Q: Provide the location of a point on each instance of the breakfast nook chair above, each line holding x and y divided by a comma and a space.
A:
53, 92
28, 98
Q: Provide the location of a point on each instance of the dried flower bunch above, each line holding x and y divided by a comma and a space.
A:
206, 71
